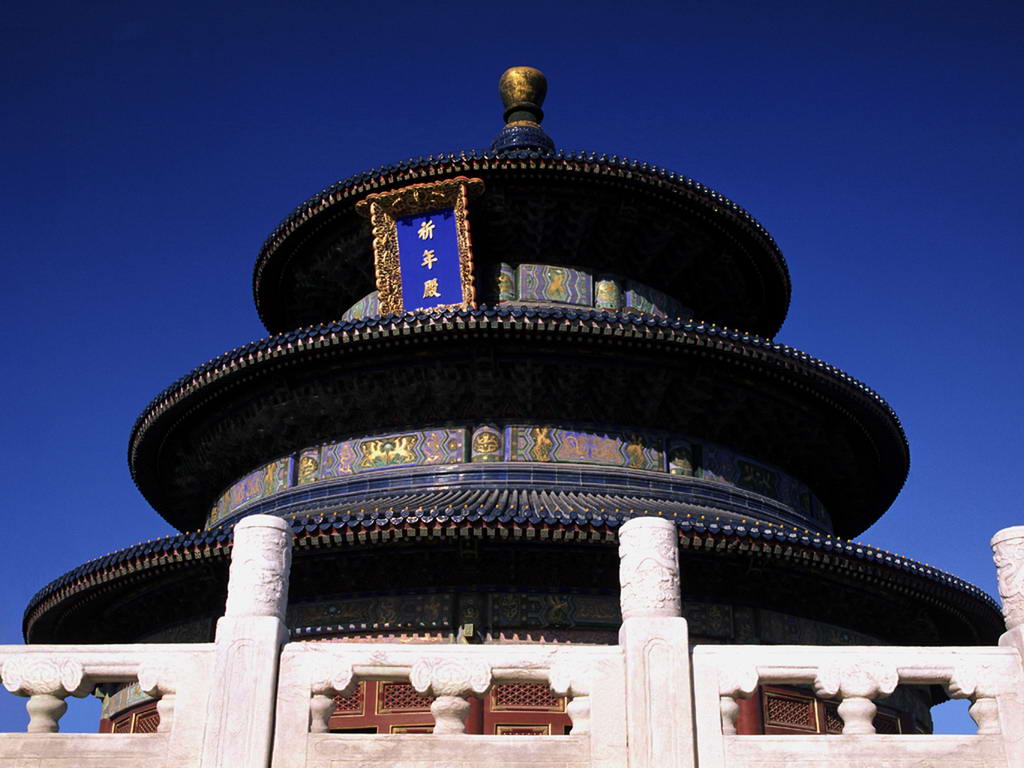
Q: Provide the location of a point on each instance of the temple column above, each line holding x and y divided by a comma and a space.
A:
654, 640
240, 714
1008, 553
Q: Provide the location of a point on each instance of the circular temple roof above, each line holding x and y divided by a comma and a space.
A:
825, 577
283, 393
565, 208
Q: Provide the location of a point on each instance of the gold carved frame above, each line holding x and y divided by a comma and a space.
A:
384, 208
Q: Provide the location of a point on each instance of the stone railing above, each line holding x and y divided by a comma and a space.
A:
175, 674
313, 673
252, 700
856, 676
216, 700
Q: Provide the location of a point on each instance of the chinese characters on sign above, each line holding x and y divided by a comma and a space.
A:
428, 254
421, 248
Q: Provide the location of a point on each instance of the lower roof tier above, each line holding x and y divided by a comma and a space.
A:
488, 554
519, 365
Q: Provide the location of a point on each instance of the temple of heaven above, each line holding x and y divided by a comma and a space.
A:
479, 365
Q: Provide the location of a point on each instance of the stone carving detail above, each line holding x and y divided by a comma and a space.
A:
46, 679
450, 676
569, 678
450, 680
981, 684
260, 561
44, 713
857, 683
735, 682
33, 674
649, 568
329, 677
1008, 553
158, 682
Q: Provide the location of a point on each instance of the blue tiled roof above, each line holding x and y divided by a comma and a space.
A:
572, 320
517, 515
425, 163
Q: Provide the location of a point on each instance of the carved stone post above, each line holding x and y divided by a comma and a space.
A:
739, 682
1008, 553
450, 680
159, 683
655, 644
857, 683
321, 705
47, 679
240, 717
569, 679
649, 569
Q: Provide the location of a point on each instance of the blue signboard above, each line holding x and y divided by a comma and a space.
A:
428, 255
421, 249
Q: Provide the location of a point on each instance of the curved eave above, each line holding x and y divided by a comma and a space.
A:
851, 399
341, 196
854, 562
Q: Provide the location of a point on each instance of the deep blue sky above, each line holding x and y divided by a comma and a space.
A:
148, 149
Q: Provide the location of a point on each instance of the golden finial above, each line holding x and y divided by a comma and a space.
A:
522, 92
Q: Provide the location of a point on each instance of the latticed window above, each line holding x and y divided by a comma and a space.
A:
350, 705
142, 720
146, 722
535, 697
887, 723
790, 712
401, 697
833, 722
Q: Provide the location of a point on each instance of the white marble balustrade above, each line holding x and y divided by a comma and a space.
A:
253, 700
313, 673
176, 674
857, 676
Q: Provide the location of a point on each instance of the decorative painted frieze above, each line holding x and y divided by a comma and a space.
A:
537, 443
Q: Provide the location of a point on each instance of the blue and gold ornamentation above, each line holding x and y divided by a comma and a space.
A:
506, 282
541, 282
488, 444
520, 443
543, 443
424, 447
367, 306
264, 482
308, 467
126, 697
218, 510
681, 458
650, 301
421, 245
607, 293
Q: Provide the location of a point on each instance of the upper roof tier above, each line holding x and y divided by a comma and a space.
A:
575, 209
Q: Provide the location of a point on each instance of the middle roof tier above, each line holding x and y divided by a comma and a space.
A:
771, 404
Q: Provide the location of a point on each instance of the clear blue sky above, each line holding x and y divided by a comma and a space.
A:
149, 148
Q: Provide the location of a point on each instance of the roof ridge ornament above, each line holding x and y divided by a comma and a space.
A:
522, 91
